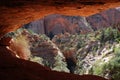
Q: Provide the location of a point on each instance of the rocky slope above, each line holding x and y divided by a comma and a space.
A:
94, 53
81, 52
13, 68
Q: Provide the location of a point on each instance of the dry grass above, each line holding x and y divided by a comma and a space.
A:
20, 47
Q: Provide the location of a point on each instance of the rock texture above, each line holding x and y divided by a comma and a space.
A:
56, 24
16, 14
13, 68
49, 25
104, 19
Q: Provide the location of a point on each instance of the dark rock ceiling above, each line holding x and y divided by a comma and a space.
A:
16, 13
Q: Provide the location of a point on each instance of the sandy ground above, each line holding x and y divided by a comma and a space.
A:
12, 18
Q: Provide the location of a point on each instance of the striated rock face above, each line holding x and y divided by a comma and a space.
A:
36, 26
104, 19
15, 14
56, 24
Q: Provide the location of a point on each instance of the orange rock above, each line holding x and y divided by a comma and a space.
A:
5, 41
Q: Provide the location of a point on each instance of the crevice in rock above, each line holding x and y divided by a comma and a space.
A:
71, 65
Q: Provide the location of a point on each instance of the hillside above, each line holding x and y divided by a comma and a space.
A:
71, 53
55, 24
58, 40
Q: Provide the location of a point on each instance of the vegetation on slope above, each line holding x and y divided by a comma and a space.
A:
39, 48
93, 53
96, 53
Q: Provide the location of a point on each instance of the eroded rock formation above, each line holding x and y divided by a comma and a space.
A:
55, 24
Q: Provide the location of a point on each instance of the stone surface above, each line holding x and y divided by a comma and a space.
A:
13, 68
23, 12
57, 24
104, 19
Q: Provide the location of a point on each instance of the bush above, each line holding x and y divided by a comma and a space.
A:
60, 65
110, 70
99, 69
114, 65
20, 46
37, 59
109, 34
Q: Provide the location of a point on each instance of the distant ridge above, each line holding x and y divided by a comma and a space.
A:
56, 23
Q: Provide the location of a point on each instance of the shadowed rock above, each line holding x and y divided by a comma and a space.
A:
12, 68
104, 19
57, 24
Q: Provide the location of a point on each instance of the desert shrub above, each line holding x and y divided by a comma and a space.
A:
20, 46
46, 63
79, 68
98, 69
109, 34
37, 59
114, 65
110, 70
30, 31
44, 37
10, 34
58, 40
80, 44
60, 65
114, 68
81, 41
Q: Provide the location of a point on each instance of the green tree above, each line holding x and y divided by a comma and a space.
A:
37, 59
60, 65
